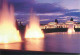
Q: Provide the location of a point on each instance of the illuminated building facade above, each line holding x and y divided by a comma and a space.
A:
67, 24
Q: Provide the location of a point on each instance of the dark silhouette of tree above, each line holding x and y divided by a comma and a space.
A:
16, 24
56, 20
71, 19
21, 26
20, 23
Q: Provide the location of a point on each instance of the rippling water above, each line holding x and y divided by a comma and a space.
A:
53, 42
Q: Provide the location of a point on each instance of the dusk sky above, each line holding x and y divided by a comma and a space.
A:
47, 10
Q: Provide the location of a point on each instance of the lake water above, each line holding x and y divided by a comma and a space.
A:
53, 42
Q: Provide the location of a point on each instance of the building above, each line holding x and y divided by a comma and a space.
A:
68, 24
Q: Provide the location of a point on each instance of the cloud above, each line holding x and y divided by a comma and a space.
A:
62, 19
44, 19
68, 17
25, 6
73, 14
47, 8
41, 14
50, 14
65, 17
22, 5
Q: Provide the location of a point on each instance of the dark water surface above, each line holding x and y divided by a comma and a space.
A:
53, 42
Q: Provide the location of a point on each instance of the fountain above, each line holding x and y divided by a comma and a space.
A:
33, 30
8, 31
71, 29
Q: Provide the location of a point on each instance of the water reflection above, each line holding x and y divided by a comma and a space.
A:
53, 42
13, 46
35, 44
67, 43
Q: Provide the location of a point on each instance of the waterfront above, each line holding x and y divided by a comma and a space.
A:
53, 42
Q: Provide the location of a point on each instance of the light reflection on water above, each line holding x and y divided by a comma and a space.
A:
13, 46
53, 42
69, 43
35, 45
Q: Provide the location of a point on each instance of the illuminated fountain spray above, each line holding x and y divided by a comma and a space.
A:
71, 29
33, 30
8, 31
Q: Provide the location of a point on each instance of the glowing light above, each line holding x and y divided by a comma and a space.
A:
69, 31
13, 46
35, 42
33, 30
8, 31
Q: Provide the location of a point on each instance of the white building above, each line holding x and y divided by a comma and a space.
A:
50, 25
